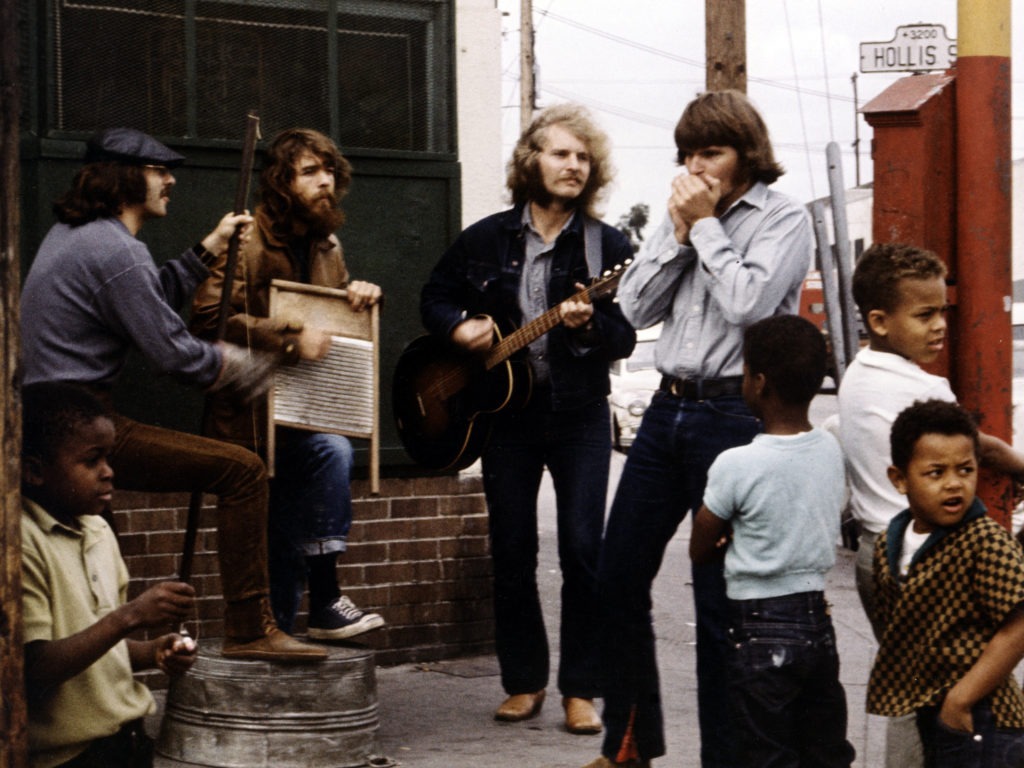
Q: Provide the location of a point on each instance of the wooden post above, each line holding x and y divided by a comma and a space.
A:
725, 43
526, 84
13, 714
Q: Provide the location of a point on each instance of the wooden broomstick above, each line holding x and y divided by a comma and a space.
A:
252, 130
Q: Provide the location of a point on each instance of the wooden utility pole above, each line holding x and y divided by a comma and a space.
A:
527, 97
725, 43
13, 714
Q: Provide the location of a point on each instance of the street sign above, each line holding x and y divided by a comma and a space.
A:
914, 48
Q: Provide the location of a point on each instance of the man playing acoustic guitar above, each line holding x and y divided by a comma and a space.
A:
503, 272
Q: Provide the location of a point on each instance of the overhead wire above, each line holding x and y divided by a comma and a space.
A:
824, 64
629, 114
799, 99
683, 59
796, 87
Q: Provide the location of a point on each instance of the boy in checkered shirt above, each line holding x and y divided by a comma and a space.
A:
949, 585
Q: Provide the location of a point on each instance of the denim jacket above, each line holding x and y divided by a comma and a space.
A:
480, 274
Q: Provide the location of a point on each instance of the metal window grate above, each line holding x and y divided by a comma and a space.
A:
373, 74
118, 65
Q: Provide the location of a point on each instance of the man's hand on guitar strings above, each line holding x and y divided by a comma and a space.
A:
475, 334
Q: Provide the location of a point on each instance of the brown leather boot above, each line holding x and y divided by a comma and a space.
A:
251, 633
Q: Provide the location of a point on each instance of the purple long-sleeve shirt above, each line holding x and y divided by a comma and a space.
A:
93, 293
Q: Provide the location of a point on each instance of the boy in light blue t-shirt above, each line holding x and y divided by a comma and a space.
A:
782, 496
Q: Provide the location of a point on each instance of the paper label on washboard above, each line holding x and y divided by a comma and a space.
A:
335, 393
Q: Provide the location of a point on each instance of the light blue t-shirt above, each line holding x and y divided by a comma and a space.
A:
784, 497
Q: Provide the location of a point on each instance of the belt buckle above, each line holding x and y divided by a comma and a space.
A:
677, 387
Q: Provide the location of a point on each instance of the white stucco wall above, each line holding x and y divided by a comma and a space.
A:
478, 94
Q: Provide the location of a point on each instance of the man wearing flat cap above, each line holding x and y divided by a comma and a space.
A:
92, 294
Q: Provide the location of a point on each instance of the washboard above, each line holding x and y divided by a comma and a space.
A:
339, 394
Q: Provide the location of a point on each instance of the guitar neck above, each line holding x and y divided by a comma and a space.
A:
521, 337
537, 327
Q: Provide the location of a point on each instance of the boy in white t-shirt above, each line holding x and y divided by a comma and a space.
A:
782, 496
900, 291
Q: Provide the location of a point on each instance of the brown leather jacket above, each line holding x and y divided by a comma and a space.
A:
262, 260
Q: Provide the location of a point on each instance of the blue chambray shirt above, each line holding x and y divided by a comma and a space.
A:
742, 267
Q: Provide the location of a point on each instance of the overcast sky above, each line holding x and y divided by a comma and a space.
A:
637, 64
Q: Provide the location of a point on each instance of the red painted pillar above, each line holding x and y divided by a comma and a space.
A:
984, 350
914, 155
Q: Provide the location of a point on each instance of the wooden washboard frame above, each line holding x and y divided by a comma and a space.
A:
319, 396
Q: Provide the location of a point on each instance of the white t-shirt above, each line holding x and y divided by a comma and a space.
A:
911, 543
876, 387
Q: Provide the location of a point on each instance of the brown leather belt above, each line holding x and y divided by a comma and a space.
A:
702, 389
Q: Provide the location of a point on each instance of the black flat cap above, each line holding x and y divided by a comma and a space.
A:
127, 145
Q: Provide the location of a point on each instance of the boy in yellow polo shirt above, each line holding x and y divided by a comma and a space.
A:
85, 707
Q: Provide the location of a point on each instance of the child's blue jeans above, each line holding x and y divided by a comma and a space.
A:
986, 747
788, 704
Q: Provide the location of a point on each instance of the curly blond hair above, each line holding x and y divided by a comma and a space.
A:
524, 179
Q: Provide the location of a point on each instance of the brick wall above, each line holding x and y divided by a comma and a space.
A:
417, 554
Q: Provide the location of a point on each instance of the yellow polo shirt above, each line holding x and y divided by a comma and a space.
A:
72, 578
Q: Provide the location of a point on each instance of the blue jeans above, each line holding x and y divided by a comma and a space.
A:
788, 703
663, 479
575, 445
310, 511
987, 747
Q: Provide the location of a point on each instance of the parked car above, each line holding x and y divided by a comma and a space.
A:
634, 381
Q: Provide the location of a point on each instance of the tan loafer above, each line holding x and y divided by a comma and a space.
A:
580, 715
521, 706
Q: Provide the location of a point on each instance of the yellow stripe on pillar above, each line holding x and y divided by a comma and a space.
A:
983, 28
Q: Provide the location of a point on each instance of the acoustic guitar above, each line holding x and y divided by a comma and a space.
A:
443, 396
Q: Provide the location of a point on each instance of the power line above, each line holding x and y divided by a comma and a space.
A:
684, 60
799, 98
639, 117
663, 123
625, 41
824, 64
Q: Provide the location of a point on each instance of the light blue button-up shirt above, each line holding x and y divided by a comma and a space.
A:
744, 266
533, 289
